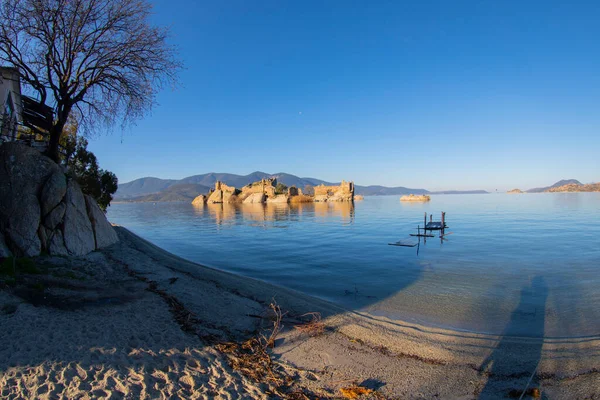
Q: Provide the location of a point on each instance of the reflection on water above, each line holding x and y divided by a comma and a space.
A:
474, 280
261, 214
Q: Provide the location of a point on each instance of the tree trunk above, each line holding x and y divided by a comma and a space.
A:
52, 151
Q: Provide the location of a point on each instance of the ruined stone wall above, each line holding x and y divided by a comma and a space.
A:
221, 186
343, 192
343, 188
264, 186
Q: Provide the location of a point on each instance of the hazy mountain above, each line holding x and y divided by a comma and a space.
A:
573, 187
143, 186
146, 186
176, 192
557, 184
155, 189
376, 190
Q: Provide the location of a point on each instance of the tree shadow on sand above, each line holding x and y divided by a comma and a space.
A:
515, 360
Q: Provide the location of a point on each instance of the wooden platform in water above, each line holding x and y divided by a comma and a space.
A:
421, 235
435, 226
404, 243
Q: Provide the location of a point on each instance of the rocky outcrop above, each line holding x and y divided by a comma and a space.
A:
77, 228
53, 192
104, 234
412, 197
279, 199
264, 186
343, 192
359, 197
222, 194
515, 191
254, 198
200, 200
573, 187
42, 209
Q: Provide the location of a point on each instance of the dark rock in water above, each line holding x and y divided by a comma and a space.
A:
42, 209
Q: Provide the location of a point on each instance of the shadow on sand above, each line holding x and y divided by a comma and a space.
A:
514, 361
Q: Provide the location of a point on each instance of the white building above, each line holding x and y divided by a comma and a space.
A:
10, 103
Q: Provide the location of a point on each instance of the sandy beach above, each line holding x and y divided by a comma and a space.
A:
134, 321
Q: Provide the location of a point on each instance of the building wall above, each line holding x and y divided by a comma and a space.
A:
10, 103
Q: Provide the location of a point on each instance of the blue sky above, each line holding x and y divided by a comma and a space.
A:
424, 94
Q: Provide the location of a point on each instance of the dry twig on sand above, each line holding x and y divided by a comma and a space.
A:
355, 391
314, 327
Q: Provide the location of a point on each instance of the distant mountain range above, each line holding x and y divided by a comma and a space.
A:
557, 184
156, 189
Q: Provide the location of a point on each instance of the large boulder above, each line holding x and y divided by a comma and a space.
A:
53, 192
55, 216
104, 233
56, 245
199, 200
255, 198
23, 172
40, 209
215, 197
77, 228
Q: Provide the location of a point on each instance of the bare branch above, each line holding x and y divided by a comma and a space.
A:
100, 57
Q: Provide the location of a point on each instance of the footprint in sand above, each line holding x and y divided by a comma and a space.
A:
187, 382
81, 372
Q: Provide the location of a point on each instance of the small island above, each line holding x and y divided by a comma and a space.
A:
269, 191
515, 191
413, 197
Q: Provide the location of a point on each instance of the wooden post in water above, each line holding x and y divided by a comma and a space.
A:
443, 222
430, 217
425, 223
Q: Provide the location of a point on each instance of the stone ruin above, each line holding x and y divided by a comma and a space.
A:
343, 192
222, 194
264, 186
263, 191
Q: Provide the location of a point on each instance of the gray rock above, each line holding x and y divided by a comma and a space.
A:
104, 233
56, 247
23, 172
22, 228
55, 216
4, 250
53, 192
78, 234
43, 235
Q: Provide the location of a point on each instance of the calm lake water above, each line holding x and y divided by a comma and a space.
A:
514, 264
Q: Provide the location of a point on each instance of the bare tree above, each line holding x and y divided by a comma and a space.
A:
99, 59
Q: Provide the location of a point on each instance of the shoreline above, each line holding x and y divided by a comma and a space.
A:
395, 358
